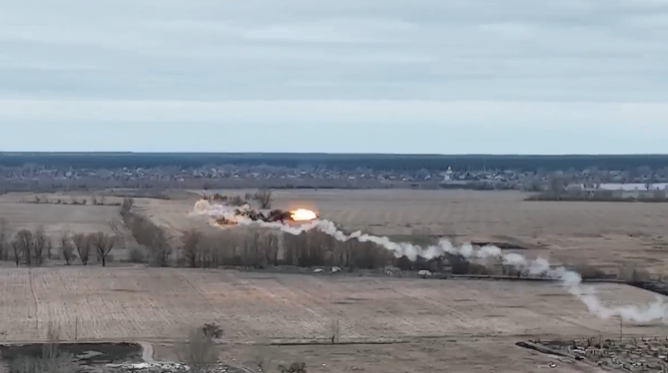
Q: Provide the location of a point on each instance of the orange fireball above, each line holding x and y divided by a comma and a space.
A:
303, 215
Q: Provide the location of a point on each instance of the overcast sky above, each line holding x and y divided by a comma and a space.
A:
397, 76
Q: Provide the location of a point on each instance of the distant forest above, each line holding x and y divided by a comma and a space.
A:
336, 161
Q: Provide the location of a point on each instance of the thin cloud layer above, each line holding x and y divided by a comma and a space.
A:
431, 65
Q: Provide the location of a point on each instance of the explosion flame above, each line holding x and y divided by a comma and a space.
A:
224, 215
303, 215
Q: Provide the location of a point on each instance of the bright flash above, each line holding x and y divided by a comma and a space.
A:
302, 215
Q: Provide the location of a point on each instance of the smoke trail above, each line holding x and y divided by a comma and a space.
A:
570, 280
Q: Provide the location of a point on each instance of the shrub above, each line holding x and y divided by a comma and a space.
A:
126, 206
296, 367
136, 255
633, 274
237, 201
589, 272
198, 352
212, 330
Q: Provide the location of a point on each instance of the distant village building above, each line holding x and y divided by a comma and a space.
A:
619, 190
447, 175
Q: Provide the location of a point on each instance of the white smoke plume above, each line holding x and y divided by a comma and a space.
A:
570, 280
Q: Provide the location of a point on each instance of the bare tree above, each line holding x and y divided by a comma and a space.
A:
18, 251
557, 185
264, 198
271, 244
41, 242
143, 229
116, 226
50, 348
25, 242
336, 331
160, 249
103, 244
66, 248
191, 246
49, 247
261, 358
4, 237
83, 247
126, 206
198, 353
253, 251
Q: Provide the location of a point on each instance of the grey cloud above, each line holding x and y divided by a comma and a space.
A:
512, 50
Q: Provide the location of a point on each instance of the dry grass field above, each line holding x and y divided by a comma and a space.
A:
437, 325
599, 233
604, 234
55, 218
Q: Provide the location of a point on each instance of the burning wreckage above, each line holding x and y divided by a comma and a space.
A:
232, 216
272, 216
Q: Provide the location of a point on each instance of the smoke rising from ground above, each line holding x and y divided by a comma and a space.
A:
570, 280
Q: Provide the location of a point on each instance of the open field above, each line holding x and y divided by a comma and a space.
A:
602, 234
433, 325
156, 304
20, 212
55, 218
438, 322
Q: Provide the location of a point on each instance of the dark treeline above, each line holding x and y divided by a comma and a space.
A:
337, 161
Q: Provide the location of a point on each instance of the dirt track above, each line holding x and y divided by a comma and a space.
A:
451, 355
